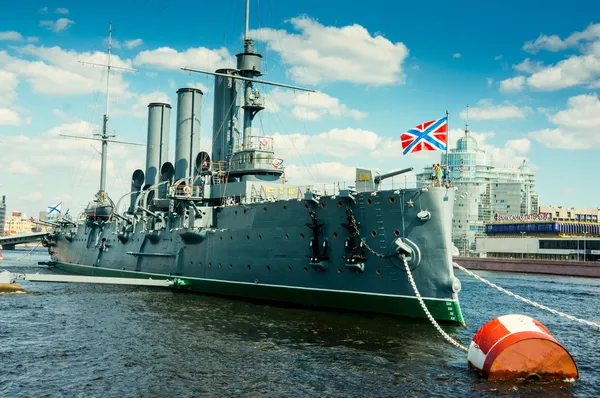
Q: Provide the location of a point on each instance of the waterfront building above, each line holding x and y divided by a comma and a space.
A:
2, 214
561, 213
18, 224
541, 239
483, 190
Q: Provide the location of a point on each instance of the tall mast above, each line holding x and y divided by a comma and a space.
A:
105, 121
247, 19
104, 137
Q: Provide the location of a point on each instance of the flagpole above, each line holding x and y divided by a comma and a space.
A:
447, 140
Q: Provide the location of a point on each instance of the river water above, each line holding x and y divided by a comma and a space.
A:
78, 340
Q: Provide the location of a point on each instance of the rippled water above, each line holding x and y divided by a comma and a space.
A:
94, 340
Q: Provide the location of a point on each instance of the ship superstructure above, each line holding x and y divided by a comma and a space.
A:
229, 223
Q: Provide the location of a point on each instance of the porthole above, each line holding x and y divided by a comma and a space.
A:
236, 212
305, 269
287, 236
301, 236
339, 270
209, 264
396, 232
284, 208
249, 266
373, 233
230, 237
268, 268
289, 268
230, 265
264, 209
369, 201
220, 265
220, 237
378, 272
392, 199
322, 205
259, 236
334, 234
247, 237
339, 203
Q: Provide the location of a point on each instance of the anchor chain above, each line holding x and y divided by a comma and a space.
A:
527, 301
429, 316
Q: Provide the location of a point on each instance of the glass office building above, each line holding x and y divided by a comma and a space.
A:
482, 190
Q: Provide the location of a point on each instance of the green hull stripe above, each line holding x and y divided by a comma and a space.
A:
441, 309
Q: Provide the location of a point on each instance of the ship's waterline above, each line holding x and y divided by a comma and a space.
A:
403, 305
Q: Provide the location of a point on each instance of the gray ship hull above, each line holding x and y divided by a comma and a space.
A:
263, 251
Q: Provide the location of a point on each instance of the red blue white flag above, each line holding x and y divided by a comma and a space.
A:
429, 136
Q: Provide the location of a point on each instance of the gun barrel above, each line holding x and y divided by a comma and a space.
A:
382, 177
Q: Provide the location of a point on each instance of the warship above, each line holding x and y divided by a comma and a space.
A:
229, 223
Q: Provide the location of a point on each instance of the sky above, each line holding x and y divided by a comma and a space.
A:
529, 72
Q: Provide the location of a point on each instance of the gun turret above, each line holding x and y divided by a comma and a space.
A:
382, 177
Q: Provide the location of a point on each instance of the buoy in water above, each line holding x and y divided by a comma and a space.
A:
11, 288
519, 347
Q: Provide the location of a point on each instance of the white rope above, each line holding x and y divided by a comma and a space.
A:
431, 319
29, 253
527, 301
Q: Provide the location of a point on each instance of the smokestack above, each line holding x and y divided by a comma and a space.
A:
226, 129
157, 150
187, 142
137, 180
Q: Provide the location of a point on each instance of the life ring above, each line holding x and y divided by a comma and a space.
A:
264, 142
277, 163
187, 190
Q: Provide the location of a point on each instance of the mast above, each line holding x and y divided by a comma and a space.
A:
104, 136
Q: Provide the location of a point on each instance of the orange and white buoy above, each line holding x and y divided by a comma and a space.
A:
519, 347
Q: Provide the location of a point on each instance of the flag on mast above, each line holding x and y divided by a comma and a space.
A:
428, 136
54, 209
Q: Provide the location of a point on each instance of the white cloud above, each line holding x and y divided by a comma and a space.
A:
199, 86
577, 127
310, 106
497, 57
33, 196
340, 143
513, 84
20, 167
326, 53
140, 108
200, 57
8, 87
529, 66
63, 11
555, 43
543, 42
77, 162
57, 26
9, 117
485, 110
16, 36
490, 81
456, 55
57, 72
132, 43
575, 70
43, 10
320, 174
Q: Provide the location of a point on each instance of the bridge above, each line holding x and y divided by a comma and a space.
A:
9, 242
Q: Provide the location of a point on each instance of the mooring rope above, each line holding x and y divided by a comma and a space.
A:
527, 301
429, 316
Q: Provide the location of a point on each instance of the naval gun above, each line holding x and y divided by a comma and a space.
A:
366, 180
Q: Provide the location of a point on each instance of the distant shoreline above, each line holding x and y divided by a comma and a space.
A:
528, 266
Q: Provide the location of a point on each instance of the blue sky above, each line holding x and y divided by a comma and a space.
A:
380, 69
